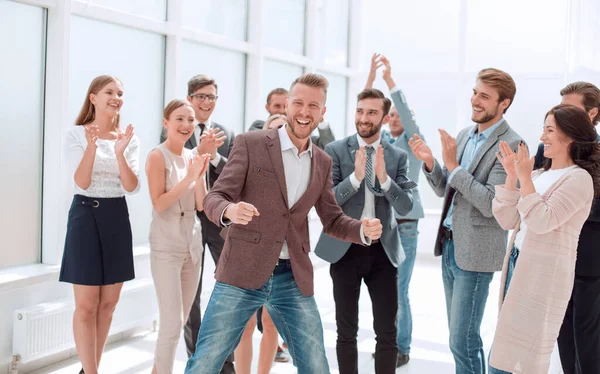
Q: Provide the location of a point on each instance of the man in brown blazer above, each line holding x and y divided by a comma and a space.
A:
271, 181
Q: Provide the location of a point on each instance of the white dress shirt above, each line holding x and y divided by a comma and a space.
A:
369, 209
297, 168
207, 126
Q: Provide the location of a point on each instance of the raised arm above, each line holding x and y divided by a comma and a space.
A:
81, 158
406, 116
375, 64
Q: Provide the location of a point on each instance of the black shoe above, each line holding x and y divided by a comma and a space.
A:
402, 360
228, 368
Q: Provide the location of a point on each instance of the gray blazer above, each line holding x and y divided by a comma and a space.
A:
479, 241
352, 201
325, 136
414, 164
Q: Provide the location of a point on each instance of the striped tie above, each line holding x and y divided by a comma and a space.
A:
369, 173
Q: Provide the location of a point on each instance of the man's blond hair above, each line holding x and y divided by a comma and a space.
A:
312, 80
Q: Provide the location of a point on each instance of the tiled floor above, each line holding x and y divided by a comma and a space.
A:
430, 353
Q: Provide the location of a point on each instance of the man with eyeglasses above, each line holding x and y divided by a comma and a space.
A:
217, 140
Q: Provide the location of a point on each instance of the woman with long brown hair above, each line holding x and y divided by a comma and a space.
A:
547, 212
98, 255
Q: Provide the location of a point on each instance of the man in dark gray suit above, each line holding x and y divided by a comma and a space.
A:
277, 103
472, 243
369, 179
403, 127
209, 137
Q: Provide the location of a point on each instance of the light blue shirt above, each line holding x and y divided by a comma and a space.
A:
475, 142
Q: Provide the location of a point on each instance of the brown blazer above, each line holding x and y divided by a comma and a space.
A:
255, 174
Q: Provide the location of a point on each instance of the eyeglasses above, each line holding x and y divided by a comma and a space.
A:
202, 97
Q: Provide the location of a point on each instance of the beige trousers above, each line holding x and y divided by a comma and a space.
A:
176, 282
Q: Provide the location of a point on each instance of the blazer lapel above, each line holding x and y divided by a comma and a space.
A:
274, 149
460, 148
353, 147
191, 142
489, 143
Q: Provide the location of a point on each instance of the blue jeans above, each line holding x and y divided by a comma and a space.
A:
512, 262
466, 295
408, 236
230, 308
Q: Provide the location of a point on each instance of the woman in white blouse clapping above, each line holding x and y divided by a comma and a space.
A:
98, 255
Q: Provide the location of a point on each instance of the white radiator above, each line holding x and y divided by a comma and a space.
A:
47, 328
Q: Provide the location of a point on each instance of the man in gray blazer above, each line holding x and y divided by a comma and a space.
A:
209, 137
277, 103
402, 127
369, 179
470, 240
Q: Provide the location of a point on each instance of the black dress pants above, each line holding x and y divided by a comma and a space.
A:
372, 265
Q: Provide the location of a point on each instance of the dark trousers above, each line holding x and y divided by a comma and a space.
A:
372, 265
579, 338
211, 236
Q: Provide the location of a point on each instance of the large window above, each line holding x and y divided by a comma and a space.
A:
277, 74
336, 105
22, 36
223, 17
101, 48
154, 9
334, 17
284, 24
228, 68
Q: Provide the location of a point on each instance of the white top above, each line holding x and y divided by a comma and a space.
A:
369, 208
297, 168
106, 181
177, 228
542, 182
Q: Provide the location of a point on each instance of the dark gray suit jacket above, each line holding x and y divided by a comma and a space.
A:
352, 201
325, 136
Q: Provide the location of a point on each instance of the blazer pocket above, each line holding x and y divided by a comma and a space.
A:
245, 235
264, 172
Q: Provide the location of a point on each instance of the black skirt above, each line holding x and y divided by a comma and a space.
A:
99, 245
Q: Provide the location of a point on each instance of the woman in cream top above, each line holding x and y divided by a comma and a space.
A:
547, 213
177, 189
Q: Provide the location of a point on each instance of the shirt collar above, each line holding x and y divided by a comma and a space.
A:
362, 143
286, 142
207, 124
486, 134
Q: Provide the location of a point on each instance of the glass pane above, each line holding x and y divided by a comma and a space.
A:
333, 34
276, 74
22, 36
417, 36
336, 105
154, 9
137, 59
229, 71
284, 24
223, 17
514, 40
